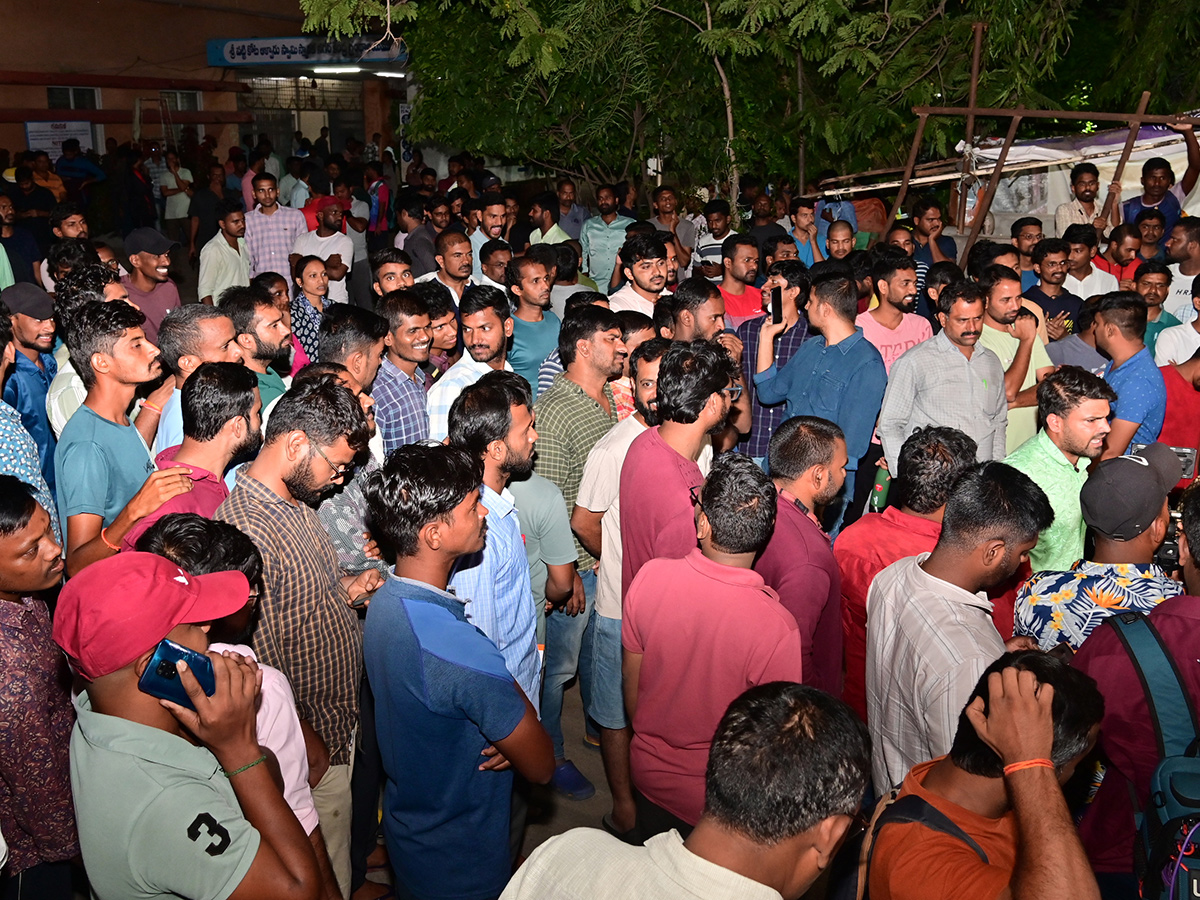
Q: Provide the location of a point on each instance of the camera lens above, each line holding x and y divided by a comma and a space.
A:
166, 670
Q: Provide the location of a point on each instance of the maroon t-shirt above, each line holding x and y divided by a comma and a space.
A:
657, 518
1126, 735
154, 304
799, 564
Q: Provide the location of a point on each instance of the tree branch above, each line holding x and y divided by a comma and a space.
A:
939, 11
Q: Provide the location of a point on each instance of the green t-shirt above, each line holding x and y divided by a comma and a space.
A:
546, 528
270, 386
1022, 421
1060, 545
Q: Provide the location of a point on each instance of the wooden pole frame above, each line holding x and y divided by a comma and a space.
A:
993, 183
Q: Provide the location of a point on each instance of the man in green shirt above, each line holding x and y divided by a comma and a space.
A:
1072, 414
263, 335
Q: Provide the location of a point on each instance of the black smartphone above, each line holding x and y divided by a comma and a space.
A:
161, 678
776, 305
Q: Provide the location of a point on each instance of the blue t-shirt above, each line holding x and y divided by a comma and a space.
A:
98, 466
1141, 396
170, 423
25, 391
442, 694
532, 342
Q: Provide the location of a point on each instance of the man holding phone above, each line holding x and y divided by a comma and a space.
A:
199, 812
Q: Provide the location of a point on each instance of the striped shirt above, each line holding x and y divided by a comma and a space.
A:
306, 627
447, 388
928, 641
400, 410
270, 239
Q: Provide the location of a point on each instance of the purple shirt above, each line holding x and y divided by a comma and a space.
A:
657, 519
799, 564
270, 239
155, 304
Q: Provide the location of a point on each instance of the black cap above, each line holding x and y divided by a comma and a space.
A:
148, 240
28, 300
1124, 495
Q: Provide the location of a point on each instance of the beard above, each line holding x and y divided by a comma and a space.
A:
516, 468
299, 483
249, 447
826, 496
269, 354
648, 414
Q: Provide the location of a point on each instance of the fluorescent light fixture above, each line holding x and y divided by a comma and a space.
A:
337, 70
391, 74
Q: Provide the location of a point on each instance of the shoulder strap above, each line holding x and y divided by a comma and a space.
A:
910, 808
1171, 712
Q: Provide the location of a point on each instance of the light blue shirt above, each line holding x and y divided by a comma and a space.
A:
170, 423
478, 239
600, 242
1141, 396
841, 210
494, 584
447, 388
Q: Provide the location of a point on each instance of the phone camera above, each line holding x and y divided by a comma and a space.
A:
166, 670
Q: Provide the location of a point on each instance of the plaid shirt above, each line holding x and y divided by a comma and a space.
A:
766, 418
400, 410
270, 239
447, 388
569, 423
306, 627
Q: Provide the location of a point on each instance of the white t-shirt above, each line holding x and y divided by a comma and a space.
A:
1099, 282
359, 210
1179, 297
1176, 344
309, 244
708, 251
177, 204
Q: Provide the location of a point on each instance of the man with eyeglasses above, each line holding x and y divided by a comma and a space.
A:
1051, 260
308, 620
838, 375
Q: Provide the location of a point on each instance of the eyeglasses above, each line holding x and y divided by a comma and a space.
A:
694, 492
734, 392
338, 471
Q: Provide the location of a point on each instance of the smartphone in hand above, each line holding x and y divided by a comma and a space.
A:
161, 677
776, 305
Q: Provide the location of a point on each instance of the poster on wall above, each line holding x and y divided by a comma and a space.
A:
49, 136
405, 114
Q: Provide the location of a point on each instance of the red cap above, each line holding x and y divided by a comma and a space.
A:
323, 203
118, 608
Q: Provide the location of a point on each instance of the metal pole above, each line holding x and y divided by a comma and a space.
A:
1135, 125
991, 112
908, 168
960, 217
993, 182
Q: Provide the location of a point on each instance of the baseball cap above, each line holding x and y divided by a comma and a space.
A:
28, 300
323, 203
147, 240
1122, 496
118, 608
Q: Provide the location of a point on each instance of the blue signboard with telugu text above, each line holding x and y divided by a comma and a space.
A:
304, 49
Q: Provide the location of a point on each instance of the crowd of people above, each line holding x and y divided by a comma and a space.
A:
295, 577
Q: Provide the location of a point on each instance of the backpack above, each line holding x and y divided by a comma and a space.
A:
850, 879
1168, 828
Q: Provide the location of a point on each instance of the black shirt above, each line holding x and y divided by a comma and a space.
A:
1052, 306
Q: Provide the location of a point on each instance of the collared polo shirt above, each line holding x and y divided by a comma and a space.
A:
935, 384
553, 235
679, 611
270, 386
843, 383
1062, 543
928, 641
798, 564
863, 550
600, 242
442, 695
573, 220
173, 828
569, 423
1141, 396
400, 410
446, 389
766, 417
657, 518
494, 584
306, 627
222, 267
207, 494
26, 391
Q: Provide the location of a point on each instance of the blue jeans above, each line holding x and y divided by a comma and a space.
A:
567, 653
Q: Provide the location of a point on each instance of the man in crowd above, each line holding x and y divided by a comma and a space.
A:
263, 336
419, 234
571, 215
1026, 706
602, 235
708, 256
948, 381
308, 628
486, 318
354, 338
1073, 407
808, 465
452, 253
1141, 403
1183, 254
838, 375
149, 281
711, 605
1152, 225
447, 704
762, 224
775, 741
1121, 255
20, 249
204, 209
67, 222
543, 214
1124, 503
490, 228
643, 260
1160, 191
739, 256
1011, 333
804, 230
839, 241
271, 229
931, 245
1082, 209
391, 270
39, 820
329, 244
791, 278
1060, 306
222, 422
535, 326
493, 258
929, 626
697, 311
224, 260
575, 413
28, 385
678, 231
399, 390
1026, 234
1152, 282
931, 460
1083, 278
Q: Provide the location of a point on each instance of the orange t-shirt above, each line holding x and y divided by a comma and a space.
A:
913, 862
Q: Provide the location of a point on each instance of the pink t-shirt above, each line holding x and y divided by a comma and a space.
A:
678, 613
891, 344
207, 493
